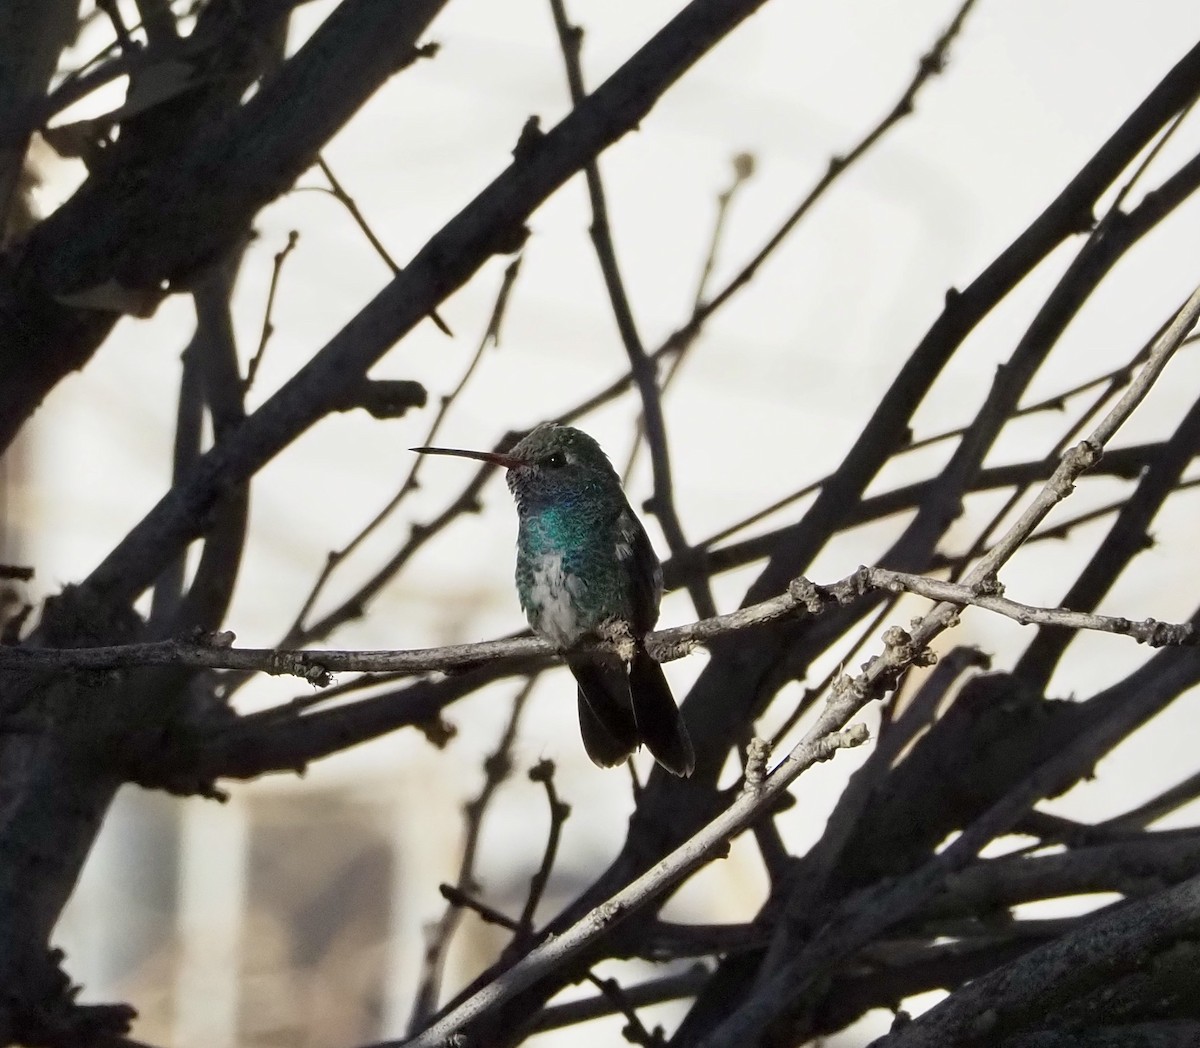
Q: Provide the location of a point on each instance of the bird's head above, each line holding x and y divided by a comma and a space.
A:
552, 465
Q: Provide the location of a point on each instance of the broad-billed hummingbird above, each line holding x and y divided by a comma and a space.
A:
586, 571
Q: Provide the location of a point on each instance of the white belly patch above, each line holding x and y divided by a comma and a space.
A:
551, 609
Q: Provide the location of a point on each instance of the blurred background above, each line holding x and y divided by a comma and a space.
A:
295, 913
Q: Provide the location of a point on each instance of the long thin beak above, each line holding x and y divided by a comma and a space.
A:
494, 457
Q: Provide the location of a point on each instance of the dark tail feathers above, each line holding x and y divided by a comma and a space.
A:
620, 708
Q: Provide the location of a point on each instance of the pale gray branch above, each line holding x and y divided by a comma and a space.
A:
802, 597
1147, 631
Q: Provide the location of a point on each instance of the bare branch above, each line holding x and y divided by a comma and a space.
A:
348, 202
653, 991
801, 598
543, 772
1092, 956
1148, 631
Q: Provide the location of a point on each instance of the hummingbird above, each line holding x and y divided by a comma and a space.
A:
586, 571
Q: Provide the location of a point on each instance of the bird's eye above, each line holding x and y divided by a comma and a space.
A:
555, 460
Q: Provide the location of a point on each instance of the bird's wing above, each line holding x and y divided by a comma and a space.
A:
644, 571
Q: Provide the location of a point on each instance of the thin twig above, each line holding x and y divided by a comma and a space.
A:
1059, 531
1062, 530
654, 991
268, 328
543, 772
460, 899
866, 635
931, 64
347, 201
635, 1032
497, 768
743, 169
124, 38
325, 696
1148, 631
1116, 379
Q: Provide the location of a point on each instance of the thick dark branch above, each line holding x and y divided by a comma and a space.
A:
122, 239
32, 35
1137, 866
1090, 958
